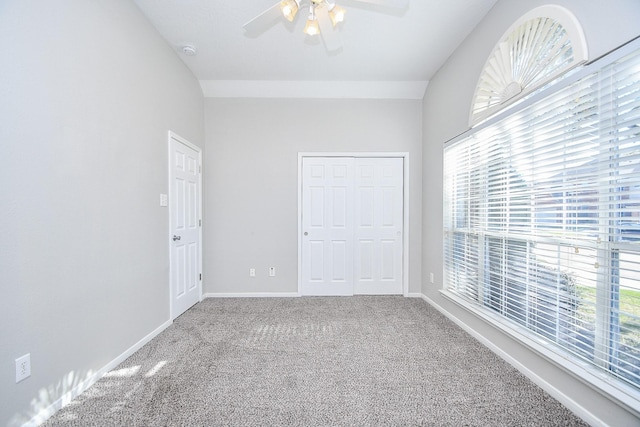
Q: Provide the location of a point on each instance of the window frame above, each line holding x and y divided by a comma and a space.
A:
626, 395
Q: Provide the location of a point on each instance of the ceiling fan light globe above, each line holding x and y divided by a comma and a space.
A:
312, 29
337, 14
289, 9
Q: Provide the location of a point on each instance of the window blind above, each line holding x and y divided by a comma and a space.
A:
542, 219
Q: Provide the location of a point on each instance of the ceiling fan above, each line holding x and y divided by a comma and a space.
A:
324, 16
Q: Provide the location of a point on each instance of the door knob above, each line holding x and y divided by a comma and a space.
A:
306, 234
176, 237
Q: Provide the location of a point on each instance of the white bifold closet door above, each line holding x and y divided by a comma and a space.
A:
352, 214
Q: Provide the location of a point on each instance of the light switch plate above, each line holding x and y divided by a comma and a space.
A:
163, 200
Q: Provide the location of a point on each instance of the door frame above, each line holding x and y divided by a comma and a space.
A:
405, 206
173, 136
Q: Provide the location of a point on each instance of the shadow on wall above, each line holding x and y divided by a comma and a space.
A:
61, 395
53, 397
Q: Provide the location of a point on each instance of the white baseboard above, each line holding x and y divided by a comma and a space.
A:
561, 397
414, 295
252, 295
273, 295
81, 387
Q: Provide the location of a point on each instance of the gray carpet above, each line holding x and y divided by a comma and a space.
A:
355, 361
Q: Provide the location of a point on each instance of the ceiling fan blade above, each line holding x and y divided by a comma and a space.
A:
265, 20
399, 4
330, 35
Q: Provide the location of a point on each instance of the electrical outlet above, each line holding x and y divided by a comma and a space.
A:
252, 272
23, 367
272, 272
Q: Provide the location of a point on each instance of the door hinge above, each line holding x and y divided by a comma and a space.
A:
200, 276
200, 223
199, 168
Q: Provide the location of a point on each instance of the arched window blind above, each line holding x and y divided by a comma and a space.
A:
541, 46
542, 219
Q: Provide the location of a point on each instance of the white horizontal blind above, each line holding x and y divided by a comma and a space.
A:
542, 219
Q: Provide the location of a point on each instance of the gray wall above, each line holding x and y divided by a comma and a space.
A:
88, 92
251, 202
446, 110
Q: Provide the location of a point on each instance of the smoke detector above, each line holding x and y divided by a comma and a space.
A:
188, 50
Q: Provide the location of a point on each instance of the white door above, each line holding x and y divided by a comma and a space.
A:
184, 198
352, 222
378, 226
327, 224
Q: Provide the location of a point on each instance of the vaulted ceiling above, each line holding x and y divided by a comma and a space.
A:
379, 45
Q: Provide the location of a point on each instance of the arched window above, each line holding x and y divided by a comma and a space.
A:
542, 202
540, 47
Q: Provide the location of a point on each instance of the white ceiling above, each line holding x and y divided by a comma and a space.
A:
396, 51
